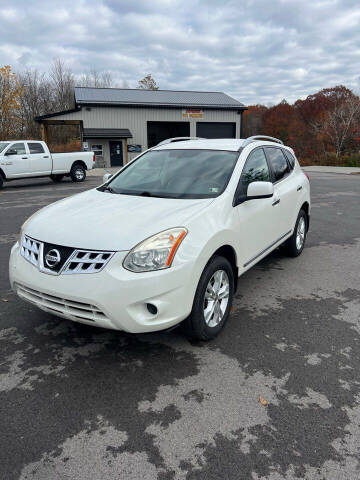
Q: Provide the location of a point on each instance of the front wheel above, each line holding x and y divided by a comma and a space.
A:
213, 300
295, 244
77, 173
1, 181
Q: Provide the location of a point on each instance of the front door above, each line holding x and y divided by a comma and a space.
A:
258, 230
116, 155
16, 161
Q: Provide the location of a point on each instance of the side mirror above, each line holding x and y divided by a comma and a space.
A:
11, 151
106, 177
260, 190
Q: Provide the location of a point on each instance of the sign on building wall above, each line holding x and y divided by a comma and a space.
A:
85, 146
192, 113
134, 148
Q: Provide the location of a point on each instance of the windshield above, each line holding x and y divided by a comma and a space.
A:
3, 145
176, 174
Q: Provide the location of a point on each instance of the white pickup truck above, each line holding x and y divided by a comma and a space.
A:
32, 158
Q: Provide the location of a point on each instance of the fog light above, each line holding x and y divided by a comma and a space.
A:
151, 308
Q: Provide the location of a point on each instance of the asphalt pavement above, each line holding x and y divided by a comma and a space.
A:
82, 403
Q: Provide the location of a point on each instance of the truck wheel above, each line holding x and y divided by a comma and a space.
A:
56, 178
1, 181
212, 302
77, 173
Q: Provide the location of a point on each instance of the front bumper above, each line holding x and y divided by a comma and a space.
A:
113, 298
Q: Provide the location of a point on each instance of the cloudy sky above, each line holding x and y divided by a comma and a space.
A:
258, 51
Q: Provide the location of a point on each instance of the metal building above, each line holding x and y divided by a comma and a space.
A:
119, 123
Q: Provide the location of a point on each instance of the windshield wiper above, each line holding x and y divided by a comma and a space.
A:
108, 189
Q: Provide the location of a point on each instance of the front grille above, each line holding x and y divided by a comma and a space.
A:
69, 308
70, 261
30, 249
83, 261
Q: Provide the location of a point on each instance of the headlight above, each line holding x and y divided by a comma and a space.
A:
23, 226
156, 252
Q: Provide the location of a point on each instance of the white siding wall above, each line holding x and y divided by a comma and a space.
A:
135, 119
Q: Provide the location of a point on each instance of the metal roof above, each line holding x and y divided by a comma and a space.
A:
107, 133
153, 98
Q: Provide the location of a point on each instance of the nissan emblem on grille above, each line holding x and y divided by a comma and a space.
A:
52, 258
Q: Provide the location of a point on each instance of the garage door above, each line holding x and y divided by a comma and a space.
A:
159, 131
216, 129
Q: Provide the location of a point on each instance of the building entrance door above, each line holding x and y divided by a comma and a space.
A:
116, 154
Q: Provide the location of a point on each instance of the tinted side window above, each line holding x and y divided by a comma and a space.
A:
291, 158
36, 148
19, 148
278, 163
255, 170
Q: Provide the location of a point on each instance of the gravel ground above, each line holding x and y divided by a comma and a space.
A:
83, 403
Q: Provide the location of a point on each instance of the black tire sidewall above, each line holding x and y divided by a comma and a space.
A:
73, 173
196, 321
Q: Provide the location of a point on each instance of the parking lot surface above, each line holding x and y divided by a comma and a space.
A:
83, 403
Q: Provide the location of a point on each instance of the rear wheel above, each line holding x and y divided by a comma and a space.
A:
212, 302
56, 178
1, 181
77, 173
295, 244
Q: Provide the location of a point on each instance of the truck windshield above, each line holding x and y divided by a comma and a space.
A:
3, 145
176, 174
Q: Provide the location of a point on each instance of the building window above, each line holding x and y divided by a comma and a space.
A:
98, 150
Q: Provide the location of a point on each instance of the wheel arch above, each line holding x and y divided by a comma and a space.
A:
228, 252
306, 207
79, 162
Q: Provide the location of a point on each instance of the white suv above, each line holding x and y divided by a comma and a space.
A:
165, 239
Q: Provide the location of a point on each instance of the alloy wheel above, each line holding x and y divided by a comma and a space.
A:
300, 234
216, 298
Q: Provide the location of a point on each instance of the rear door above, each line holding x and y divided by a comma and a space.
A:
16, 161
257, 228
39, 160
285, 189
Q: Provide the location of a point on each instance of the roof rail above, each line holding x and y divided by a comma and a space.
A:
254, 138
177, 139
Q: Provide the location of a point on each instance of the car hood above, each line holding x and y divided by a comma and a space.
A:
104, 221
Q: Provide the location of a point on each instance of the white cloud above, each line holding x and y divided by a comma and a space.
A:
256, 51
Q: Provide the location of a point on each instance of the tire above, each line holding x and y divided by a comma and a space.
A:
56, 178
77, 173
295, 244
1, 181
196, 325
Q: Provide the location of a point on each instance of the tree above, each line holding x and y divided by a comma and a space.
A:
253, 120
10, 94
62, 82
36, 100
96, 79
333, 117
147, 83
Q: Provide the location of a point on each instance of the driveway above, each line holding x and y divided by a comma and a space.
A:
83, 403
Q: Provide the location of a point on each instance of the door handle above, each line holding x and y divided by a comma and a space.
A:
299, 188
24, 158
276, 202
46, 156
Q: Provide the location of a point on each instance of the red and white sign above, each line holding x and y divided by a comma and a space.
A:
192, 113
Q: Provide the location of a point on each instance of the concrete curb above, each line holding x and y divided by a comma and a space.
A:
334, 170
100, 172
